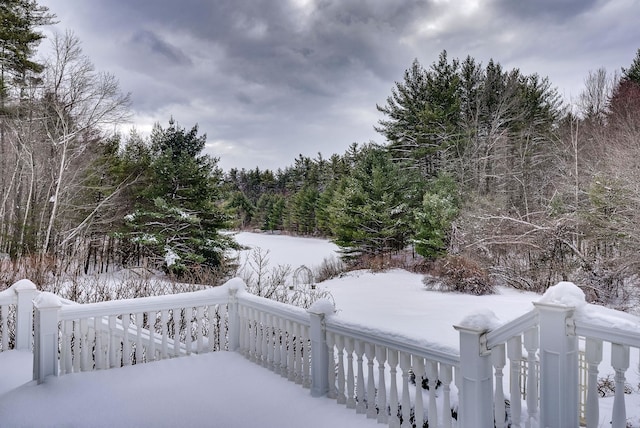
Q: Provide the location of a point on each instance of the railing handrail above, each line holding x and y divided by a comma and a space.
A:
611, 334
512, 328
283, 310
8, 297
404, 344
217, 295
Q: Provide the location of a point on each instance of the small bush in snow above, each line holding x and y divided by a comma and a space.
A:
331, 267
607, 386
458, 274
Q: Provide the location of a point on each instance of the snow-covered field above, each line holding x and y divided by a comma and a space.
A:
222, 390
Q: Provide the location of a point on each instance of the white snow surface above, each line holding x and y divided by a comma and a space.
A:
564, 293
218, 390
225, 390
484, 319
287, 250
397, 302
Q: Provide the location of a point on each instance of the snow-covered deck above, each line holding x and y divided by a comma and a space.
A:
219, 389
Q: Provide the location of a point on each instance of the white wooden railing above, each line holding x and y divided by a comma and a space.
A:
531, 363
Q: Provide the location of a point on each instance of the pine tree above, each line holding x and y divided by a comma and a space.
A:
633, 73
440, 206
370, 212
178, 217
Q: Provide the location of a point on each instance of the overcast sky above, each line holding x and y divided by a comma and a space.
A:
267, 80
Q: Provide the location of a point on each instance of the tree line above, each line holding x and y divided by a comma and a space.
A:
482, 168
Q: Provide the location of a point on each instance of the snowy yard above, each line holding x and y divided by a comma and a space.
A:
225, 390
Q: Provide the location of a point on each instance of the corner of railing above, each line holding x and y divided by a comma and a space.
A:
234, 286
26, 292
319, 349
475, 380
45, 353
558, 355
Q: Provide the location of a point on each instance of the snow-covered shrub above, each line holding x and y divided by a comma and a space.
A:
458, 274
331, 267
277, 283
607, 386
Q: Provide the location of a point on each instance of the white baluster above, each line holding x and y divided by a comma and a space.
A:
252, 334
242, 321
277, 344
75, 350
177, 325
446, 376
331, 366
531, 344
114, 343
164, 320
371, 385
593, 355
126, 344
432, 373
84, 345
291, 375
297, 358
65, 350
341, 398
199, 330
306, 358
351, 400
360, 392
381, 356
405, 366
418, 412
263, 338
394, 421
284, 347
514, 351
271, 342
457, 378
99, 349
151, 349
620, 363
499, 361
188, 329
255, 336
138, 323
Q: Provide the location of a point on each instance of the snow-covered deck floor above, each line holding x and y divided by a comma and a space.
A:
220, 389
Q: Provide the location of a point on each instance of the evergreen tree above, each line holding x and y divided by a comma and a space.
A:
19, 39
434, 218
633, 73
370, 212
178, 217
405, 109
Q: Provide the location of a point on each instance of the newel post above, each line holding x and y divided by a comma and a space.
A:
234, 320
476, 381
319, 349
26, 292
558, 367
45, 344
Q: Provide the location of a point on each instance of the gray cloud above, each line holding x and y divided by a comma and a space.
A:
268, 79
554, 10
149, 44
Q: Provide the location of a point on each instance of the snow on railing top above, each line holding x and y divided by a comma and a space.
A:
431, 350
10, 295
